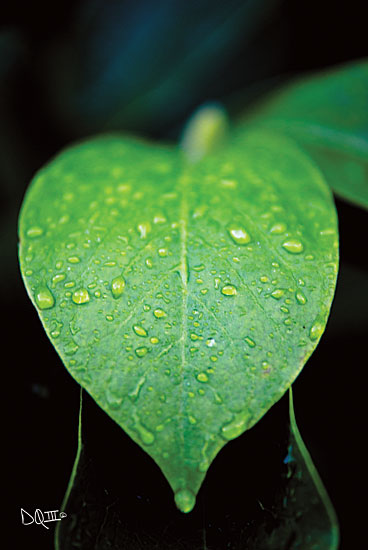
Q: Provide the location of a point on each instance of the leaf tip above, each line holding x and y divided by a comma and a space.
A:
185, 500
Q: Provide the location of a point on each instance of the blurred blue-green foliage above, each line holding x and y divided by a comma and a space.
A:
144, 66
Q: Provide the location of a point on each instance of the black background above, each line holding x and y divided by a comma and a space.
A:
41, 400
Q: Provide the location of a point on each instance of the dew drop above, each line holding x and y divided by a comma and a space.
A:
293, 246
144, 229
140, 331
234, 428
145, 435
162, 252
73, 260
141, 352
159, 313
301, 299
228, 290
80, 296
316, 330
277, 293
202, 377
149, 263
34, 232
117, 286
154, 340
57, 278
44, 298
211, 342
185, 500
251, 343
239, 235
278, 228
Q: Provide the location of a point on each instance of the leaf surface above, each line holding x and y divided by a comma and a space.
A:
185, 298
327, 115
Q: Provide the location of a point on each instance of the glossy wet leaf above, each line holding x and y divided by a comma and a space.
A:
185, 298
327, 114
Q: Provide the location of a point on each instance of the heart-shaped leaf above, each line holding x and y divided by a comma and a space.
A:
185, 298
327, 114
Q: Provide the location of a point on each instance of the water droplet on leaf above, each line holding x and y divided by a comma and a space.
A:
239, 235
185, 500
228, 290
300, 297
234, 428
141, 352
278, 228
159, 313
34, 232
80, 296
117, 286
293, 246
140, 331
44, 298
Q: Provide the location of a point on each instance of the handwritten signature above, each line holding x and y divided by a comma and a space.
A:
39, 517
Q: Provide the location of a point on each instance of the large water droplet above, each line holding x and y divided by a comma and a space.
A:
301, 299
117, 286
202, 377
277, 293
140, 331
294, 246
44, 298
159, 313
239, 235
80, 296
185, 500
228, 290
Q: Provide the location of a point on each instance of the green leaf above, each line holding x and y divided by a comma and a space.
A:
185, 298
327, 115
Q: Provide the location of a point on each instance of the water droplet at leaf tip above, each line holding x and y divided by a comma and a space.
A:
185, 500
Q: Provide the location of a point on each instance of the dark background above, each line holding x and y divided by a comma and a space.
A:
73, 69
